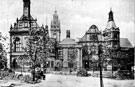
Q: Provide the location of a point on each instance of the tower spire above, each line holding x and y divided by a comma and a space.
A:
110, 15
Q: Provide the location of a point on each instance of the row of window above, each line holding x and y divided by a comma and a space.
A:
26, 24
54, 26
50, 64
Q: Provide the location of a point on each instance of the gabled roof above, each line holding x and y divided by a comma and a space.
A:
93, 29
124, 42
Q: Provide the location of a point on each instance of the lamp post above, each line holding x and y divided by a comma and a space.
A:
100, 52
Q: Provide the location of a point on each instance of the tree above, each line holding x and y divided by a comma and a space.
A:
113, 54
3, 51
37, 48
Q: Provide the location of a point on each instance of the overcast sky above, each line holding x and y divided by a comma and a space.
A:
75, 15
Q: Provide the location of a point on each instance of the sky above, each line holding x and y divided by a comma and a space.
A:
75, 15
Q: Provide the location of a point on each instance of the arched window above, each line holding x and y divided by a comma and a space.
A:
93, 49
16, 44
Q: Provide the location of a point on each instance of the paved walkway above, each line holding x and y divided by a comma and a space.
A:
53, 80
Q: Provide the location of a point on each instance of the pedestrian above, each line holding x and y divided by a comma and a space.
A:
42, 74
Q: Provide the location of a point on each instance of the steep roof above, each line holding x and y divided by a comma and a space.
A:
93, 29
124, 42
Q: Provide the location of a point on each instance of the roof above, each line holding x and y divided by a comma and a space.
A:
68, 41
124, 42
93, 29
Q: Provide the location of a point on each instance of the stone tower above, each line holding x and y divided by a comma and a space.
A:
26, 8
19, 34
112, 33
55, 27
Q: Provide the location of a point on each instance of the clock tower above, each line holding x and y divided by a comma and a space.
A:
55, 27
112, 33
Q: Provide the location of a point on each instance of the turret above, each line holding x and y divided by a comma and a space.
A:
111, 33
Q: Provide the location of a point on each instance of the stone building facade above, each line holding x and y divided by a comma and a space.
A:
20, 31
110, 39
70, 53
67, 53
90, 42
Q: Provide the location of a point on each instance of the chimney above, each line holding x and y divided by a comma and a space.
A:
68, 33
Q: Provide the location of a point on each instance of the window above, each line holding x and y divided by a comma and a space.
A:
93, 49
51, 63
20, 25
25, 24
54, 35
71, 54
93, 37
17, 45
60, 52
115, 36
109, 34
48, 64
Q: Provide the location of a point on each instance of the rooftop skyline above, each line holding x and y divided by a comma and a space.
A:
75, 15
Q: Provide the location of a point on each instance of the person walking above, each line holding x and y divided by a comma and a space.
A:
42, 74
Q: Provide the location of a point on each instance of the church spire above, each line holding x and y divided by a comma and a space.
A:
110, 15
55, 15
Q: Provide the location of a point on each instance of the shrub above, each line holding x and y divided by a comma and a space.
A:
29, 79
82, 72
